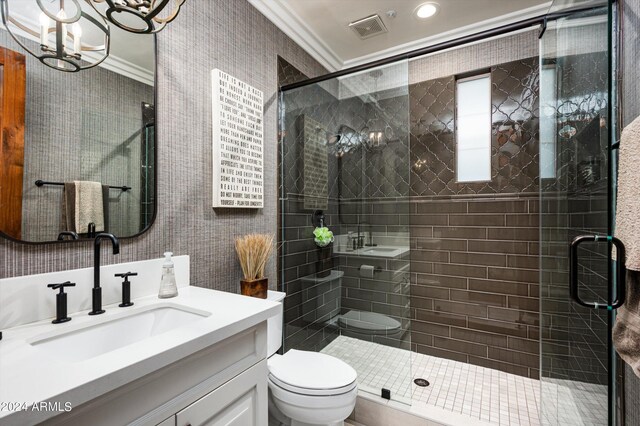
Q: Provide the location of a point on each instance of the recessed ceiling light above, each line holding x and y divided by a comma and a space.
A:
426, 10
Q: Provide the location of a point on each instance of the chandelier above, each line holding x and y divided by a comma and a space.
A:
138, 16
59, 27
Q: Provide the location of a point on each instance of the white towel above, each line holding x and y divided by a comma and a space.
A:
628, 202
626, 331
89, 206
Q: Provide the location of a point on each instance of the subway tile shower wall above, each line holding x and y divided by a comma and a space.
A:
473, 281
474, 252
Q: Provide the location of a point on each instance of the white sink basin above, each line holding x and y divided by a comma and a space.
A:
376, 251
98, 339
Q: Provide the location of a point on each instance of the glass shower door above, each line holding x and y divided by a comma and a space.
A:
577, 296
344, 158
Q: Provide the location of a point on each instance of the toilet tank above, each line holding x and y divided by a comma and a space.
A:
274, 324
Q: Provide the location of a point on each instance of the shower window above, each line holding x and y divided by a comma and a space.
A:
547, 122
473, 147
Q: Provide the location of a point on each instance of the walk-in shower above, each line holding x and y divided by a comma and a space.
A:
454, 182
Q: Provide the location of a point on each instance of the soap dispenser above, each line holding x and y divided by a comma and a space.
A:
168, 287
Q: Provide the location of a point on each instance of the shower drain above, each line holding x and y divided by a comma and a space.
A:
421, 382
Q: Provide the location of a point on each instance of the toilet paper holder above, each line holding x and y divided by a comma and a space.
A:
368, 271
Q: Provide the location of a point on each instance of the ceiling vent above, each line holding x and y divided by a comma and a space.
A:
368, 27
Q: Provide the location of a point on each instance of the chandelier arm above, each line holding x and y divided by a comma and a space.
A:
153, 22
74, 18
173, 15
156, 7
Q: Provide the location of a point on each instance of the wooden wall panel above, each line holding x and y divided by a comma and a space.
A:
12, 111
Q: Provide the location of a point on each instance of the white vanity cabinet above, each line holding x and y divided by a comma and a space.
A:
223, 384
241, 401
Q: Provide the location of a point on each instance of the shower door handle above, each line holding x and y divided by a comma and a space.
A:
620, 271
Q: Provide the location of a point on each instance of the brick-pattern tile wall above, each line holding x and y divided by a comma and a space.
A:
474, 280
311, 300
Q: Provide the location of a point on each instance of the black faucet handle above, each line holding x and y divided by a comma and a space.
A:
61, 286
61, 301
126, 275
126, 288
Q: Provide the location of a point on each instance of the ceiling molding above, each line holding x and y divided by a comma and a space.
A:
293, 26
128, 69
112, 63
477, 27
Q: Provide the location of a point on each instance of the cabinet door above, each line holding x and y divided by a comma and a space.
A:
242, 401
171, 421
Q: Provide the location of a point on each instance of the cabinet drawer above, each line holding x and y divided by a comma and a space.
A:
242, 401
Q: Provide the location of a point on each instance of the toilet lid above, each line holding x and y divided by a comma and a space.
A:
311, 371
369, 322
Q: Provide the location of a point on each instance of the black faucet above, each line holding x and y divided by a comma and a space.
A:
71, 234
97, 290
361, 235
91, 230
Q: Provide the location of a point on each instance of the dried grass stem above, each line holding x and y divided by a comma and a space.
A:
253, 253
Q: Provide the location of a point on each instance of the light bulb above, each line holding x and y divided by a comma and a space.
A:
426, 10
76, 30
44, 29
63, 16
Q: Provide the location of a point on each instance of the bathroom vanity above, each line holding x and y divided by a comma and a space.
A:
199, 357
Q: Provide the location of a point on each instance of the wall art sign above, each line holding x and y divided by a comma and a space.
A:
237, 143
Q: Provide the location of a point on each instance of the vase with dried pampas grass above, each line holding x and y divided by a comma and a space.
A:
253, 253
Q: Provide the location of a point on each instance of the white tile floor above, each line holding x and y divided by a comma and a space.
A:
480, 393
582, 403
483, 394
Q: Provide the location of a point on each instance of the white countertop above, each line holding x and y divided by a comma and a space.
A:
29, 375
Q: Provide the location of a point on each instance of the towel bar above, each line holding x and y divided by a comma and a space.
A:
42, 182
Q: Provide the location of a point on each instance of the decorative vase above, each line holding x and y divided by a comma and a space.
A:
255, 288
325, 262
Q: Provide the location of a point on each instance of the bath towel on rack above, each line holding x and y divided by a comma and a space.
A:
626, 331
85, 202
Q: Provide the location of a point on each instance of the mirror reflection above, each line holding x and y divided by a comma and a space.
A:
79, 147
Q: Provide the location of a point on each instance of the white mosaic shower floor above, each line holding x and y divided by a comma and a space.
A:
484, 395
480, 393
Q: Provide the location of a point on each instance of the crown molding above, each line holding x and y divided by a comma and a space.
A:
292, 25
111, 63
521, 15
295, 27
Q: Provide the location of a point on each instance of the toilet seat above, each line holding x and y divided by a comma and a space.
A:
311, 392
311, 373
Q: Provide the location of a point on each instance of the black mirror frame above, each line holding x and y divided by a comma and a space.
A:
155, 172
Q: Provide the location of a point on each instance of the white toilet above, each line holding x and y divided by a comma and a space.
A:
306, 388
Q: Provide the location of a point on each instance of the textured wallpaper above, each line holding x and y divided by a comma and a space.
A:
235, 37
